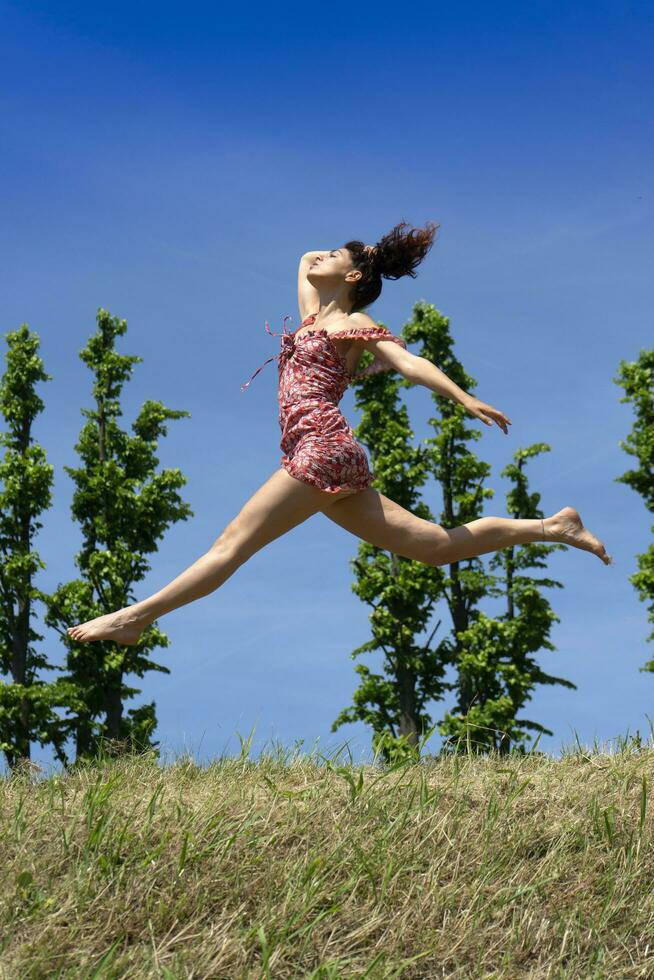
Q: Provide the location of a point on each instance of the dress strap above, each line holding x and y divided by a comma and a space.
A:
284, 333
367, 333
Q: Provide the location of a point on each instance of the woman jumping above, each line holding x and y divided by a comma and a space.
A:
323, 468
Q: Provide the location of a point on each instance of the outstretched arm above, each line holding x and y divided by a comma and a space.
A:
420, 371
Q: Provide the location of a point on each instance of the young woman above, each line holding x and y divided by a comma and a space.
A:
323, 468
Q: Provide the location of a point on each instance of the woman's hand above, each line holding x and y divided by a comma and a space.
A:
486, 413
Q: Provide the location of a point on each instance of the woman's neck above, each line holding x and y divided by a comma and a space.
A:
331, 312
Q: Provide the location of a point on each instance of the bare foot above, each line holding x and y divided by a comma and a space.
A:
123, 626
566, 526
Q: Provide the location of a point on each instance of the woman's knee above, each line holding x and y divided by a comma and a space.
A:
255, 527
231, 543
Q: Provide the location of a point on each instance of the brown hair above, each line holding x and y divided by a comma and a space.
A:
395, 255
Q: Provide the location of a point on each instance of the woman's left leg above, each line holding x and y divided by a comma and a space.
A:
380, 521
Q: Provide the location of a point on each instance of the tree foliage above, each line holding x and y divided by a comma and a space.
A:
401, 593
497, 670
123, 507
28, 702
637, 379
495, 673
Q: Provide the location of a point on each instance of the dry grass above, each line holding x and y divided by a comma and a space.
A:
460, 866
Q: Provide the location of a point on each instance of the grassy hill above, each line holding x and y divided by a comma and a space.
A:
462, 866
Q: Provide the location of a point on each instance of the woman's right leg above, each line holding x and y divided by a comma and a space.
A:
279, 505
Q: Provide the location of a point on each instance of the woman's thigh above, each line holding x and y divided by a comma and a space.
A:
279, 505
380, 521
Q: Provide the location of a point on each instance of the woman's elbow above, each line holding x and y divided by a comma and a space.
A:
411, 368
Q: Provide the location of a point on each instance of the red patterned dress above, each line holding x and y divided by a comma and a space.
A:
318, 444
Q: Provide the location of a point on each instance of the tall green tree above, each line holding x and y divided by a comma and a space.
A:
457, 471
28, 702
497, 672
123, 507
637, 380
401, 593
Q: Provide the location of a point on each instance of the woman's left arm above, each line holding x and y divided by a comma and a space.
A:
422, 372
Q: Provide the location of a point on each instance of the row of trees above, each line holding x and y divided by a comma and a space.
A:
493, 658
123, 507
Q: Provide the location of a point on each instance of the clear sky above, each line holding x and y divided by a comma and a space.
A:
171, 163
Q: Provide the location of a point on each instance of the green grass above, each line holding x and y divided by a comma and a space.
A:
458, 866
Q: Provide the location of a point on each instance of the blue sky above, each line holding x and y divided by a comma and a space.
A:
171, 163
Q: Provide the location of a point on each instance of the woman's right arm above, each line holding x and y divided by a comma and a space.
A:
308, 299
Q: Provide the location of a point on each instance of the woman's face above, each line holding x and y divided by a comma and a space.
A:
331, 266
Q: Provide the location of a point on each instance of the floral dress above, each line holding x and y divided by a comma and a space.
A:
318, 444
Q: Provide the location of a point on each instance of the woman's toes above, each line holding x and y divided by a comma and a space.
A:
606, 558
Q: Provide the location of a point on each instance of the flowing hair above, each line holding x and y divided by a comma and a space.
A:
395, 255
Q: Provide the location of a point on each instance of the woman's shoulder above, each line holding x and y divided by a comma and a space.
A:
360, 324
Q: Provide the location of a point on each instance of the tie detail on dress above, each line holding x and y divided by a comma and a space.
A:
287, 344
